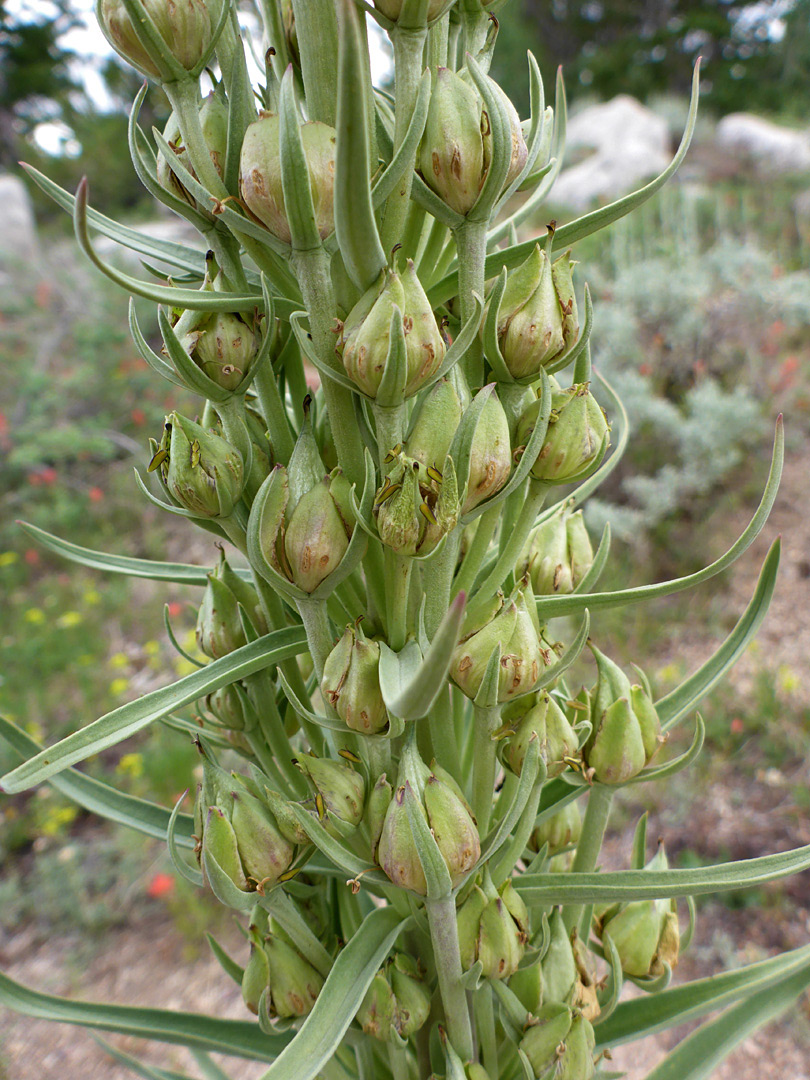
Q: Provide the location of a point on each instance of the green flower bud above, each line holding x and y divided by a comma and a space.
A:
451, 155
416, 506
186, 29
516, 630
539, 717
392, 8
341, 787
490, 932
576, 431
559, 831
202, 471
366, 334
558, 554
219, 626
260, 174
376, 809
645, 932
625, 727
543, 1039
412, 995
377, 1014
435, 425
474, 1071
559, 965
351, 683
265, 853
294, 983
530, 321
224, 348
318, 532
453, 830
491, 454
576, 1061
214, 125
396, 851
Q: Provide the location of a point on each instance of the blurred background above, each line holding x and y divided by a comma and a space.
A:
702, 321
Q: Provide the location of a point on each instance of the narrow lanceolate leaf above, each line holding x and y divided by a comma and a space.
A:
553, 606
355, 226
130, 718
141, 1068
298, 204
626, 885
684, 697
101, 799
409, 683
341, 997
644, 1016
697, 1056
178, 255
243, 1039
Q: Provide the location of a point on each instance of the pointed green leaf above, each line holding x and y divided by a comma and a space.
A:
625, 885
552, 607
340, 998
684, 697
226, 962
355, 225
244, 1039
150, 1072
101, 799
132, 717
404, 157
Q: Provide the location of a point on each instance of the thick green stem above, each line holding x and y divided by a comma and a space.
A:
594, 824
312, 270
515, 543
471, 243
441, 915
397, 586
485, 764
409, 48
471, 563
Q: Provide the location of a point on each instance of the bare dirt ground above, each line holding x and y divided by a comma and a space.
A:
146, 962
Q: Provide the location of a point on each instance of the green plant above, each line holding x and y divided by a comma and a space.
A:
402, 832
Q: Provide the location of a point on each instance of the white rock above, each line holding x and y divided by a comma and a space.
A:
774, 149
18, 231
630, 145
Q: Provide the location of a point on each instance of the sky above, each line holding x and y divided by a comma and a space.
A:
92, 49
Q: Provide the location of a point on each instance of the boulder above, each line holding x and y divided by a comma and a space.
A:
772, 147
18, 233
630, 145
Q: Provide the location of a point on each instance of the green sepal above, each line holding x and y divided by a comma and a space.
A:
355, 226
613, 990
534, 140
600, 559
333, 848
404, 156
676, 765
500, 159
298, 204
185, 869
437, 875
155, 362
126, 720
304, 711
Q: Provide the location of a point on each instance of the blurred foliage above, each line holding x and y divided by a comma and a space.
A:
755, 57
